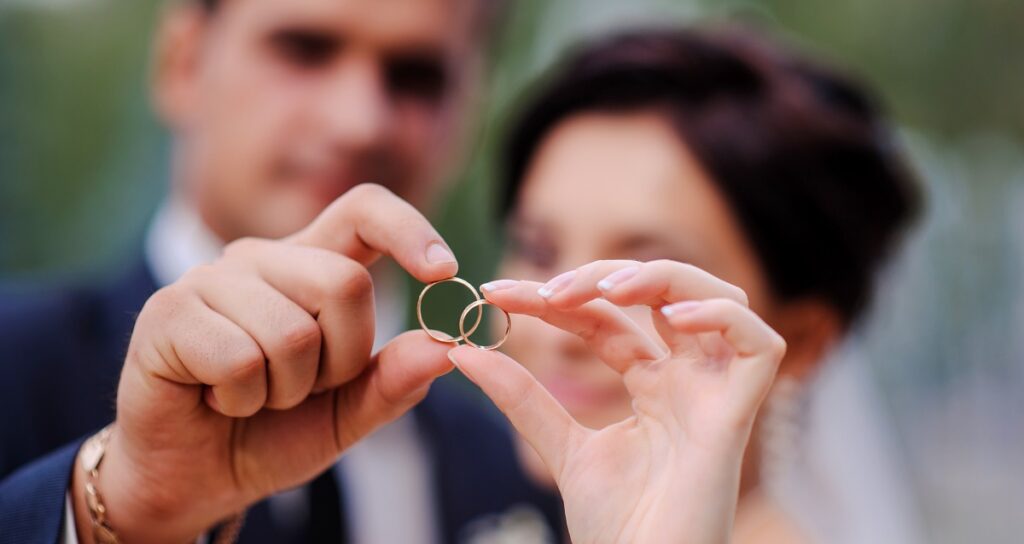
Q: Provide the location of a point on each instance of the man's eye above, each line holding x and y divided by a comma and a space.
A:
304, 48
423, 79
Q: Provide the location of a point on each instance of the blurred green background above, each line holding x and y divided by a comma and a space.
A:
83, 165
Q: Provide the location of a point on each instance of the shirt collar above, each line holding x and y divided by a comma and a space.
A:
178, 240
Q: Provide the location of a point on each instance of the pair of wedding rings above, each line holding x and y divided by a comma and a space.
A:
464, 335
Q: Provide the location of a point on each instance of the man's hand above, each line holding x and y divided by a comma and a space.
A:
252, 374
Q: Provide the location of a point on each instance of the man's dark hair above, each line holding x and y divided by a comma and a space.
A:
799, 152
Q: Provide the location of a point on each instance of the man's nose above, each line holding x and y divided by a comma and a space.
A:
355, 107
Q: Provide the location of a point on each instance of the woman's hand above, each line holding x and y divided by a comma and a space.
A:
670, 472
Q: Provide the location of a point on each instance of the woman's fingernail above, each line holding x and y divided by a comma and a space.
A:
617, 277
438, 254
680, 307
556, 284
498, 285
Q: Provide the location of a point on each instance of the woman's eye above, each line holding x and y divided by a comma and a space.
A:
536, 255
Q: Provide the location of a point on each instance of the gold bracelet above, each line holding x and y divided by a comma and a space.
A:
92, 455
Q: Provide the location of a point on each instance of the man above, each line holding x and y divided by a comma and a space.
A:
277, 109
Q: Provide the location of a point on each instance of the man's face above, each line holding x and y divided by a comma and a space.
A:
278, 108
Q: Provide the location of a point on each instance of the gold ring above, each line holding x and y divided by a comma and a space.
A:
423, 324
462, 324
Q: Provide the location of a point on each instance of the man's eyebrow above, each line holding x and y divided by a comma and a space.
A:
323, 35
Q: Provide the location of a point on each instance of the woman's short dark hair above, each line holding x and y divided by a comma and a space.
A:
800, 152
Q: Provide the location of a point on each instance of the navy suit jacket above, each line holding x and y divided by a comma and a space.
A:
61, 352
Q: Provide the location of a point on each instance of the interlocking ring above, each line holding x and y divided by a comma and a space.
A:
423, 324
464, 334
479, 304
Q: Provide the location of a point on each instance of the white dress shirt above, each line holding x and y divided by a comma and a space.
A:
388, 495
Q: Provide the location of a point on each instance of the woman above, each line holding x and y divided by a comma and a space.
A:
714, 149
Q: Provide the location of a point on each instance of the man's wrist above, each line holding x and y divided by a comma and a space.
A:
125, 510
80, 506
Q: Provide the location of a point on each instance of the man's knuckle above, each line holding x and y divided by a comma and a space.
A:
165, 301
353, 282
300, 336
245, 362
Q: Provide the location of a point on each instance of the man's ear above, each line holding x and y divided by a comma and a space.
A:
811, 327
176, 57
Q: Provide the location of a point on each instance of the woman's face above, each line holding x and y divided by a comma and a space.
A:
614, 186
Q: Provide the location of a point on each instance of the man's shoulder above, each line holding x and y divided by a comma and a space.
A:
42, 315
61, 351
46, 366
30, 313
32, 499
